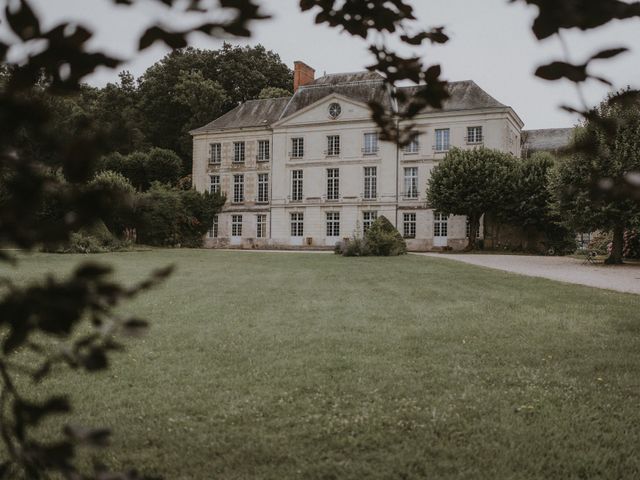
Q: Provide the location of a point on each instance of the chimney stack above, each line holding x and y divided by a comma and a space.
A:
303, 75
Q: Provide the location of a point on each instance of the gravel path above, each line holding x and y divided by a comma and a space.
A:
622, 278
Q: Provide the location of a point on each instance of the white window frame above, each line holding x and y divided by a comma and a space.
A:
409, 221
333, 145
443, 140
440, 224
236, 225
238, 188
370, 183
263, 188
297, 224
215, 153
468, 230
370, 143
411, 183
333, 184
264, 151
413, 147
261, 225
239, 152
297, 147
333, 224
368, 217
297, 185
213, 231
214, 184
474, 135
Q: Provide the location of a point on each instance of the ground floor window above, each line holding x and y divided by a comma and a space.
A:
213, 231
440, 225
367, 220
333, 224
236, 225
409, 225
468, 230
297, 224
261, 226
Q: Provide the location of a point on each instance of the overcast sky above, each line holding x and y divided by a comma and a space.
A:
491, 43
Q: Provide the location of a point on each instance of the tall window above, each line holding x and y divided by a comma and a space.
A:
370, 143
474, 134
468, 230
333, 184
213, 231
238, 188
440, 225
296, 186
297, 147
411, 182
333, 224
214, 183
367, 220
263, 151
442, 139
261, 225
414, 145
409, 225
333, 145
238, 152
215, 153
263, 187
370, 183
297, 224
236, 225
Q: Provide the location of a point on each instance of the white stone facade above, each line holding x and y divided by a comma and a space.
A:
343, 189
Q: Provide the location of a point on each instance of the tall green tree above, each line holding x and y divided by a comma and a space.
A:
190, 84
607, 155
470, 183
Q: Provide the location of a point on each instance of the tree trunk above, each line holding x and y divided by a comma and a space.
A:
615, 257
474, 228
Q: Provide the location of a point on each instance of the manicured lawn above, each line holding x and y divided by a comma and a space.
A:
277, 366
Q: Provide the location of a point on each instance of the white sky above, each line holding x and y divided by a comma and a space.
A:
491, 43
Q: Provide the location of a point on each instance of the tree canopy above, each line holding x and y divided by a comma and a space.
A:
583, 181
472, 183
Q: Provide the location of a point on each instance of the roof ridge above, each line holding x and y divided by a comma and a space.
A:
353, 82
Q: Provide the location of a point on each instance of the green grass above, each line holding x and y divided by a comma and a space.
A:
277, 366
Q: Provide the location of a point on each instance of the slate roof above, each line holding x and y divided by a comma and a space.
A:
546, 140
465, 95
360, 86
254, 113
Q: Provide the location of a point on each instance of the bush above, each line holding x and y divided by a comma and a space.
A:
157, 216
356, 247
120, 193
162, 166
383, 239
198, 210
631, 244
97, 239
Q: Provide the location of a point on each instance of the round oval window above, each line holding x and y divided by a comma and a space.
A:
335, 110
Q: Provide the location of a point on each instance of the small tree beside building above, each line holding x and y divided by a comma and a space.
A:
470, 183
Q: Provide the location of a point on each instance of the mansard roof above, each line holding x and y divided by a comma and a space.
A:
547, 140
465, 95
363, 87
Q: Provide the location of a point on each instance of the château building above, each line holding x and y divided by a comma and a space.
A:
309, 170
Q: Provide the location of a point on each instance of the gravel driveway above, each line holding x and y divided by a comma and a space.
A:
622, 278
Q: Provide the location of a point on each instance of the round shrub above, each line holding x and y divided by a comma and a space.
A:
384, 240
163, 166
157, 216
121, 196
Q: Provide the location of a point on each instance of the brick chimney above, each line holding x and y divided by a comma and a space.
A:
303, 75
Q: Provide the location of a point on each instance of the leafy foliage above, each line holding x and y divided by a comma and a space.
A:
384, 240
584, 183
471, 183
